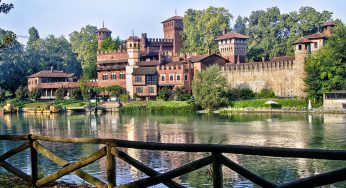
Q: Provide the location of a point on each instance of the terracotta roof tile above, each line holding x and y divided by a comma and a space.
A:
329, 23
173, 18
53, 85
302, 40
197, 58
103, 29
149, 63
232, 35
51, 74
282, 58
144, 71
316, 36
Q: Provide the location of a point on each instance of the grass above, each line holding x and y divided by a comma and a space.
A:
45, 104
260, 103
159, 107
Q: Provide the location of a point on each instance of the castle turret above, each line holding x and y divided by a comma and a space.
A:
232, 46
172, 29
133, 50
102, 34
302, 50
327, 28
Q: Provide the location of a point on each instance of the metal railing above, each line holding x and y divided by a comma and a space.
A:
111, 151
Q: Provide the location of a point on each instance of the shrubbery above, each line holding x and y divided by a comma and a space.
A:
181, 94
159, 107
60, 93
124, 98
22, 93
266, 93
2, 94
35, 93
165, 94
75, 94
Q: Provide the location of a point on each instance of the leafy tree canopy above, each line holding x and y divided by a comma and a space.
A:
208, 87
5, 7
33, 35
84, 44
326, 69
110, 45
201, 27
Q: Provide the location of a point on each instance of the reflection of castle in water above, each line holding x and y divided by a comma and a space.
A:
292, 131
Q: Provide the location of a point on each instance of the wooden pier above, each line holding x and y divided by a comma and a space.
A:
112, 151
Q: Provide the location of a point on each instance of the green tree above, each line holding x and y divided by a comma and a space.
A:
35, 93
110, 45
22, 93
326, 69
181, 94
33, 35
5, 7
208, 87
165, 93
84, 44
6, 40
240, 25
201, 27
115, 90
75, 94
60, 93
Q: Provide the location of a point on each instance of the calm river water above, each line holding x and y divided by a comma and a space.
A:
281, 130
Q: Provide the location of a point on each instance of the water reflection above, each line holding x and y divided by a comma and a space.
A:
279, 130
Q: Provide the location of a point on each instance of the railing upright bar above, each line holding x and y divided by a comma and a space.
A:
111, 167
34, 164
217, 170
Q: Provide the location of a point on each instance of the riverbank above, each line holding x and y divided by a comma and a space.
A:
9, 181
159, 107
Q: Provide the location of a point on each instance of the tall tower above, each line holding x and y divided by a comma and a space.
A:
133, 51
172, 28
233, 46
327, 28
302, 50
102, 34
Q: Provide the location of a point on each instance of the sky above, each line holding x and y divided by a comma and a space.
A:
62, 17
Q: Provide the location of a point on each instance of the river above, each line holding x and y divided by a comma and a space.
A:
325, 131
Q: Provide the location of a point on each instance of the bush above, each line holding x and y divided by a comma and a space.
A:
60, 93
159, 107
124, 97
2, 94
165, 93
22, 93
266, 93
181, 94
75, 94
239, 93
35, 93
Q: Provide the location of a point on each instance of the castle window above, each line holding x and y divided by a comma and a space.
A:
306, 46
185, 77
163, 78
35, 82
299, 47
171, 77
138, 78
113, 76
104, 76
178, 77
130, 45
315, 45
151, 90
151, 80
135, 45
122, 76
139, 90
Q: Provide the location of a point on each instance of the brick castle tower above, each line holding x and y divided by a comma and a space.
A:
102, 34
172, 29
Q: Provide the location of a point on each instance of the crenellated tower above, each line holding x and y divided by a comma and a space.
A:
172, 29
133, 51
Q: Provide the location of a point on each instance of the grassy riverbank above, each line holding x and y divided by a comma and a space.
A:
159, 107
260, 103
45, 104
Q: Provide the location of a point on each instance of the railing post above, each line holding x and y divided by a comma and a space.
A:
217, 170
34, 165
111, 175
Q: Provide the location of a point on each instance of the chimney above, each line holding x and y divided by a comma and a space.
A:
224, 31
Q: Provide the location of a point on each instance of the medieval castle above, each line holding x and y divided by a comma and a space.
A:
144, 65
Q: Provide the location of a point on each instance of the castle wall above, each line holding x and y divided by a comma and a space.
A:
284, 78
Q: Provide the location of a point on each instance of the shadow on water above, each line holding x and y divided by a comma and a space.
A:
258, 129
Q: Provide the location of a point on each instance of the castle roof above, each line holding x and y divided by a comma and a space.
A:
51, 74
232, 35
144, 71
283, 58
133, 38
302, 40
318, 35
328, 23
149, 63
173, 18
197, 58
103, 29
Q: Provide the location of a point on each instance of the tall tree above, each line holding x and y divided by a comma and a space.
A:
201, 27
110, 44
33, 35
208, 87
6, 40
84, 44
240, 25
326, 69
5, 7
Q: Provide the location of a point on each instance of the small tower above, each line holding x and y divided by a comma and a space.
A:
102, 34
133, 51
172, 28
302, 50
327, 28
233, 46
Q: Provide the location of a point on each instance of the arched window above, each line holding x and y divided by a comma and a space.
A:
178, 77
130, 45
171, 77
163, 78
135, 45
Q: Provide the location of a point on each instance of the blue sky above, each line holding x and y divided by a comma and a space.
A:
65, 16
